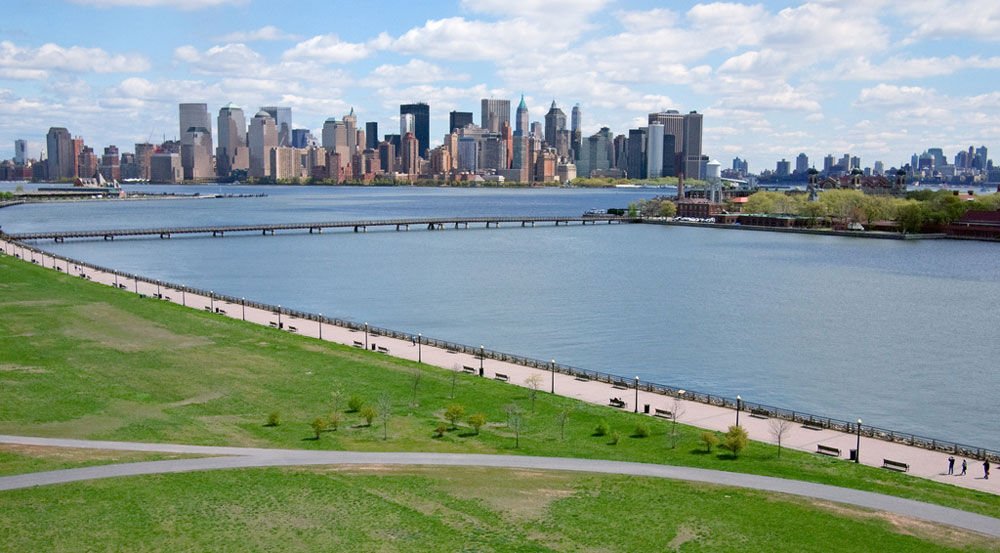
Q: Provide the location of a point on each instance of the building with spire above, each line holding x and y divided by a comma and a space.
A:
555, 122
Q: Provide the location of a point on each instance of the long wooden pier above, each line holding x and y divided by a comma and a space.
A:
431, 223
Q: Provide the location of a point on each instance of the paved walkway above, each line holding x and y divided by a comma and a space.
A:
235, 457
924, 463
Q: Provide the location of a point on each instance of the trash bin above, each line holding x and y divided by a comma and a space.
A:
646, 409
852, 455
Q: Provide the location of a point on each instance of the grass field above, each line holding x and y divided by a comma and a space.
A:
457, 509
21, 459
82, 360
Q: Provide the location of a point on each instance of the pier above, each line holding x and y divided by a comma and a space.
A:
434, 223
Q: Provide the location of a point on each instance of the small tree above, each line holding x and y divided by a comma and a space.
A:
534, 383
318, 425
668, 208
454, 413
384, 407
476, 421
602, 428
641, 430
736, 440
334, 421
440, 430
454, 380
677, 407
273, 419
354, 404
710, 440
615, 438
369, 413
336, 399
515, 422
417, 374
562, 417
779, 429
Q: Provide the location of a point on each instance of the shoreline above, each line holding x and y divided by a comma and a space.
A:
925, 456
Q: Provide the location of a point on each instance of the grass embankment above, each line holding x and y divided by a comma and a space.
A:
453, 509
82, 360
22, 459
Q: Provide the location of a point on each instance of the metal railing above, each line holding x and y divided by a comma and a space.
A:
752, 408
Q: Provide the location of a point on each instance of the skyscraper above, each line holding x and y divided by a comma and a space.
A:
335, 140
555, 121
421, 113
410, 154
691, 148
654, 150
231, 154
494, 114
636, 167
521, 128
263, 138
20, 151
458, 120
196, 141
283, 121
801, 164
783, 168
351, 128
371, 135
576, 120
406, 123
61, 161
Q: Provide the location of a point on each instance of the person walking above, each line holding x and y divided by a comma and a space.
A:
965, 466
951, 465
986, 469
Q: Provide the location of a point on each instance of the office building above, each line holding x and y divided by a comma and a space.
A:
521, 127
262, 138
801, 164
458, 120
410, 154
576, 130
195, 127
654, 150
165, 168
283, 121
494, 113
232, 153
371, 135
468, 154
335, 138
555, 122
351, 128
20, 151
387, 157
111, 164
636, 159
783, 168
421, 113
62, 161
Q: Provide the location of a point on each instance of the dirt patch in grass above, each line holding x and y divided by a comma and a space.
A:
12, 368
123, 331
195, 400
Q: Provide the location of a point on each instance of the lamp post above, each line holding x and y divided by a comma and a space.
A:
211, 299
482, 355
739, 404
279, 316
243, 303
366, 335
320, 326
636, 407
420, 342
553, 365
857, 451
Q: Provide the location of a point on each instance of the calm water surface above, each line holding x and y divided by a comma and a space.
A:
901, 334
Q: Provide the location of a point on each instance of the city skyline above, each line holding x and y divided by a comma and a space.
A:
771, 79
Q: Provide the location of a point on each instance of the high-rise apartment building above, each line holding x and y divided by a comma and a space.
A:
494, 114
111, 163
783, 168
262, 138
421, 113
232, 153
801, 164
62, 161
458, 120
143, 160
283, 121
20, 151
521, 119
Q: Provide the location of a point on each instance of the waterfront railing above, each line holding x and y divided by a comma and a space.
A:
753, 409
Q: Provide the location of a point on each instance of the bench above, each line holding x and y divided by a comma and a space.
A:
290, 328
208, 308
827, 450
272, 323
468, 369
663, 413
620, 385
383, 349
895, 465
451, 351
582, 379
811, 426
615, 402
759, 413
358, 344
501, 377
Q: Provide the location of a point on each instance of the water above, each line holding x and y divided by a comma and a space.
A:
900, 334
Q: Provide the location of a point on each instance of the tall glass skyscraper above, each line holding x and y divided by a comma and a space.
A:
421, 113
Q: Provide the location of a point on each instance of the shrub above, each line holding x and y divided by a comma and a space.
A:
273, 419
334, 420
318, 426
641, 430
615, 438
476, 421
440, 430
368, 413
354, 404
710, 440
454, 413
602, 429
736, 440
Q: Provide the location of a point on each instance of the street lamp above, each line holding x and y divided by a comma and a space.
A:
739, 404
420, 342
553, 376
857, 451
636, 409
243, 302
366, 335
320, 326
482, 355
211, 299
279, 315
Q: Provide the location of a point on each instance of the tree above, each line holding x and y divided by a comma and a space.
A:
454, 380
354, 404
677, 409
736, 440
476, 421
779, 429
534, 383
440, 430
384, 407
911, 216
334, 420
318, 425
668, 209
562, 417
336, 399
709, 439
369, 413
417, 373
514, 422
273, 419
454, 413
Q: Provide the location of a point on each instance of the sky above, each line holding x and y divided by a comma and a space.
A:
874, 78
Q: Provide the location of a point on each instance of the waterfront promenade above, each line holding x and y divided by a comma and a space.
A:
922, 462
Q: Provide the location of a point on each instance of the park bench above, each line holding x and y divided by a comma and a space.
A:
895, 465
615, 402
220, 311
358, 344
759, 413
812, 425
272, 323
827, 450
383, 349
582, 378
290, 328
620, 385
468, 369
663, 413
451, 351
501, 377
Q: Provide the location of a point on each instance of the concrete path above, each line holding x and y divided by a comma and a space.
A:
235, 457
924, 463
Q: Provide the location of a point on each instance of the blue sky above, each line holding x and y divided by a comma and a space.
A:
875, 78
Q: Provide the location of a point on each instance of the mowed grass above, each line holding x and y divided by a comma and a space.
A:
454, 509
21, 459
82, 360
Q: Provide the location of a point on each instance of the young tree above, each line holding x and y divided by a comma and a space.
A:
514, 422
476, 421
318, 425
779, 429
454, 413
417, 374
273, 419
454, 380
602, 428
677, 409
336, 399
334, 420
736, 440
354, 404
369, 413
384, 407
710, 440
562, 417
534, 383
440, 430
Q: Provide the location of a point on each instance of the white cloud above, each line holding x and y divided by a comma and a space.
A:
225, 59
414, 71
179, 4
536, 8
330, 49
898, 67
887, 95
28, 63
942, 19
458, 38
265, 33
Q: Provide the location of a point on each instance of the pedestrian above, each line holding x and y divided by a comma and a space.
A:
951, 464
965, 466
986, 469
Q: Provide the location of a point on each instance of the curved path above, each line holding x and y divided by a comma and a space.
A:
237, 457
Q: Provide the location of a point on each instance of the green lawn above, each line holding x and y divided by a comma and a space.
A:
82, 360
456, 509
19, 459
